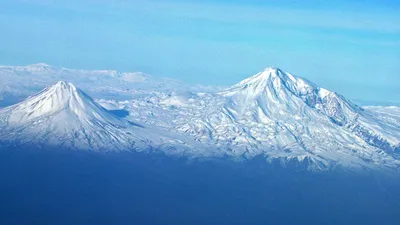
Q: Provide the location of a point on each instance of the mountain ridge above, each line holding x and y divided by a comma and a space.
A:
64, 115
276, 114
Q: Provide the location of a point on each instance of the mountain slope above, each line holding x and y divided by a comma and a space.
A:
64, 115
300, 114
275, 86
274, 114
285, 118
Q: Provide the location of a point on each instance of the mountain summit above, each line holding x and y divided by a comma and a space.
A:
275, 78
284, 116
62, 100
65, 115
274, 114
274, 89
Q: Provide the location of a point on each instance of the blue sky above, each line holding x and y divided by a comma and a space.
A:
352, 47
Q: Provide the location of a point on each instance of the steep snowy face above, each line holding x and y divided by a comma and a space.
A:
62, 97
274, 79
274, 86
282, 117
286, 118
276, 82
64, 115
271, 81
273, 113
287, 112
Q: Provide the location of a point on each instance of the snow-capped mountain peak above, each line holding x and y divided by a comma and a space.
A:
274, 80
63, 114
61, 98
274, 86
273, 113
261, 78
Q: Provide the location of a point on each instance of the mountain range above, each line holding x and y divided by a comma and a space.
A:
274, 114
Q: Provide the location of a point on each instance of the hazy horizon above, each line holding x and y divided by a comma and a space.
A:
348, 47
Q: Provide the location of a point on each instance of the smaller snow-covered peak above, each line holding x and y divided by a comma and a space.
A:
272, 70
66, 87
63, 115
63, 85
62, 92
63, 97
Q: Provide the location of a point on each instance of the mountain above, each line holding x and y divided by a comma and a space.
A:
63, 115
284, 118
275, 86
290, 93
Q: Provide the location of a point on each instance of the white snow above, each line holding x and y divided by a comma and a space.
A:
64, 115
273, 113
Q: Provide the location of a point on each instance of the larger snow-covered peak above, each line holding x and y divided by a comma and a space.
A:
275, 80
273, 95
267, 74
272, 113
274, 88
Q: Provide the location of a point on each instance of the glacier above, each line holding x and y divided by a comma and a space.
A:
274, 114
